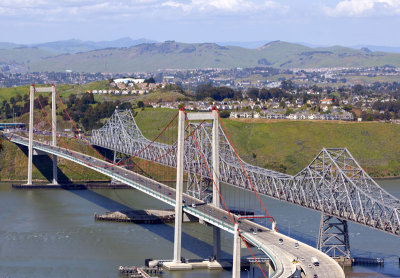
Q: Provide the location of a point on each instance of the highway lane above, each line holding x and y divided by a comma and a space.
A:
267, 240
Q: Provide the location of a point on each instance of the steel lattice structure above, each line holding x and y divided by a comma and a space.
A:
333, 183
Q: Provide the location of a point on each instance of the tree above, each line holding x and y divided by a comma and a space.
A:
224, 114
253, 93
18, 98
149, 80
140, 104
72, 99
287, 85
12, 100
126, 105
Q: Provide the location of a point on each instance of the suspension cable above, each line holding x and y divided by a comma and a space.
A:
245, 172
219, 193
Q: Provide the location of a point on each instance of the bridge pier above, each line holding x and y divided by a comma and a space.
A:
333, 237
236, 252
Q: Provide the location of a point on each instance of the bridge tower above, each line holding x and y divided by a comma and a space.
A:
213, 116
236, 252
179, 188
333, 237
32, 91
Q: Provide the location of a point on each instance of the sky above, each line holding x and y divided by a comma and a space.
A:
318, 22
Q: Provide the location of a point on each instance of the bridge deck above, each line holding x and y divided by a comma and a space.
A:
267, 241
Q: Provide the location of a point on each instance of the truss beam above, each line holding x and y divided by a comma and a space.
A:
333, 183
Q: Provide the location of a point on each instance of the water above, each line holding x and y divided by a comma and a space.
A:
52, 233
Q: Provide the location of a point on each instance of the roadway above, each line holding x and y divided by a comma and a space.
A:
281, 255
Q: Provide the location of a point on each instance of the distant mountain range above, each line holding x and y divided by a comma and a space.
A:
127, 55
75, 46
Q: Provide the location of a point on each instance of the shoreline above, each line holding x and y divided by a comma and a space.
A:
386, 178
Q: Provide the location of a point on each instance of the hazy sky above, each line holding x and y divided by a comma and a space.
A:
322, 22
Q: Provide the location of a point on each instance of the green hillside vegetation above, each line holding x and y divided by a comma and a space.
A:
290, 146
160, 96
14, 165
63, 89
23, 55
175, 55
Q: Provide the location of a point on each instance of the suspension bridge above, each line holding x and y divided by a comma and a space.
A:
333, 184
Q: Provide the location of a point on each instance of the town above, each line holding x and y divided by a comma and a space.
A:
262, 92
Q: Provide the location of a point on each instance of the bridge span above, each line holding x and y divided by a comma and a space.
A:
281, 250
333, 184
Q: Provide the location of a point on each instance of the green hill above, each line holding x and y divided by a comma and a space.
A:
23, 56
290, 146
175, 55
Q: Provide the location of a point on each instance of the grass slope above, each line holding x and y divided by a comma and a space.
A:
291, 146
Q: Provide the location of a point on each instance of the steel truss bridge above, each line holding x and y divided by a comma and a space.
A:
280, 257
333, 183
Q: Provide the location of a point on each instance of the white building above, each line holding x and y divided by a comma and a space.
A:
128, 80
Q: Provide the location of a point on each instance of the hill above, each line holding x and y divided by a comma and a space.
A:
9, 45
175, 55
75, 46
22, 56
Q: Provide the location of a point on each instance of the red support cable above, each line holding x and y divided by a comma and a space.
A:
219, 193
247, 176
252, 254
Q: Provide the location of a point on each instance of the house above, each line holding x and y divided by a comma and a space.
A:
326, 101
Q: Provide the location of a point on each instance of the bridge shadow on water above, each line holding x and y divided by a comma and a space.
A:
189, 242
44, 164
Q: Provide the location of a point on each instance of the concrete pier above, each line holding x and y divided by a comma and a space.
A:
151, 216
211, 265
